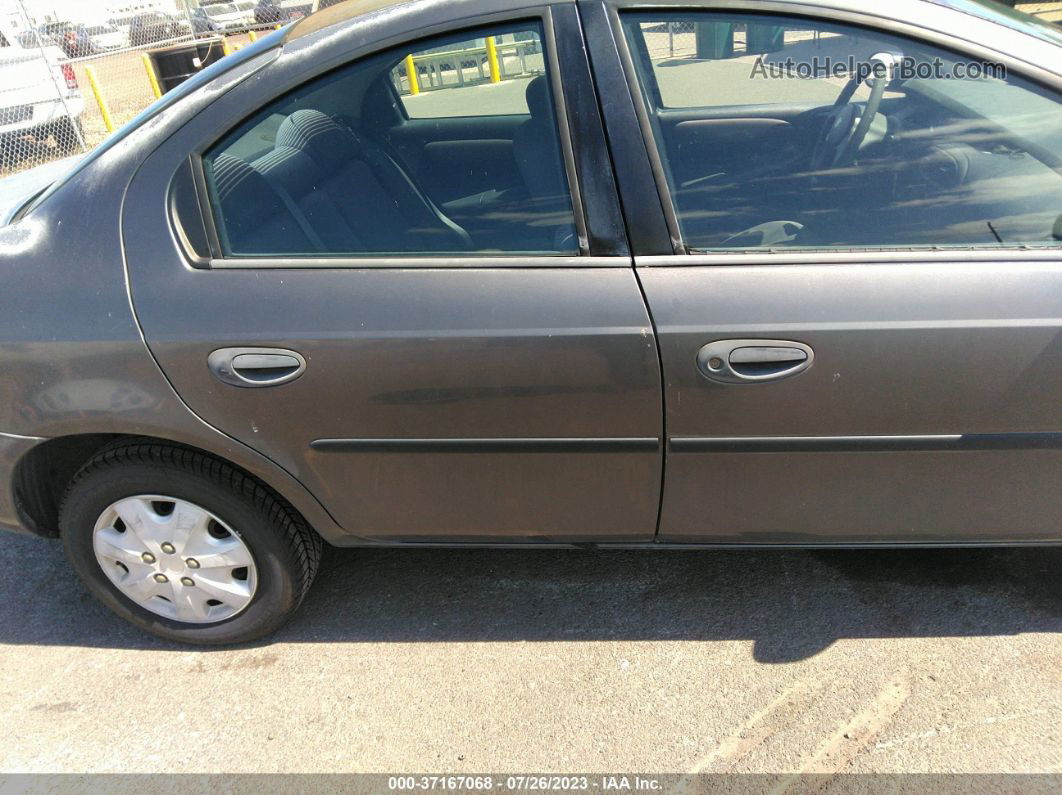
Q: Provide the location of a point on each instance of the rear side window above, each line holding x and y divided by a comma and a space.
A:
360, 162
785, 133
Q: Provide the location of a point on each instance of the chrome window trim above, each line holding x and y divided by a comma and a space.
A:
445, 262
888, 25
958, 256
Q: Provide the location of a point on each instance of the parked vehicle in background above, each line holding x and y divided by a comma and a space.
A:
72, 39
123, 24
270, 12
233, 17
39, 98
202, 23
105, 37
152, 27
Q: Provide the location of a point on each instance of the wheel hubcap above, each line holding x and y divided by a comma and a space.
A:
175, 559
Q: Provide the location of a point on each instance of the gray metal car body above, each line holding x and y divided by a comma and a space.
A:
537, 400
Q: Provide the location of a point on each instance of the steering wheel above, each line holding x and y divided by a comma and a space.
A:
845, 128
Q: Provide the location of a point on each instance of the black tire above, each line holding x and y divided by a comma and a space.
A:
285, 550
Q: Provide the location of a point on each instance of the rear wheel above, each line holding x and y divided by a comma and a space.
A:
185, 545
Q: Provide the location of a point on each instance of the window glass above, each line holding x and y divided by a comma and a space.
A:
338, 168
786, 133
451, 80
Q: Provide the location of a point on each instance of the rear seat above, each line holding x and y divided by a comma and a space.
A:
257, 220
324, 190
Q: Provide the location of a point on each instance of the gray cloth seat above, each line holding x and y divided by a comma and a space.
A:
536, 148
333, 192
257, 221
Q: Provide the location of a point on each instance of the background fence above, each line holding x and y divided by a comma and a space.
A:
65, 84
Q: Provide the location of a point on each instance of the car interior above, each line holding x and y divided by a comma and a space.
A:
340, 167
899, 161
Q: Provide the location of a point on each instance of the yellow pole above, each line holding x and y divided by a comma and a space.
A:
492, 59
252, 35
152, 77
226, 48
411, 74
278, 27
105, 112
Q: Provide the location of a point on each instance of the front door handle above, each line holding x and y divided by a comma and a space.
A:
753, 361
256, 367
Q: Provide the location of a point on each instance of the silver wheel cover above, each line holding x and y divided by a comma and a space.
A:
175, 559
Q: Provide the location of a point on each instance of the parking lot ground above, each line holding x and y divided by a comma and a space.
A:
508, 661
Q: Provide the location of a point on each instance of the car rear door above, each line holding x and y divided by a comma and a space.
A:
879, 359
425, 395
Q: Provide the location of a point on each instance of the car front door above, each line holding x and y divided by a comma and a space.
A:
320, 305
860, 327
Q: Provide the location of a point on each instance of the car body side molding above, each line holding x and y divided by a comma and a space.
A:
867, 444
511, 445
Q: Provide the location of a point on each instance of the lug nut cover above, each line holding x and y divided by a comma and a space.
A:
168, 548
161, 578
187, 581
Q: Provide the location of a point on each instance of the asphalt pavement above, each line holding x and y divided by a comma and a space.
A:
511, 661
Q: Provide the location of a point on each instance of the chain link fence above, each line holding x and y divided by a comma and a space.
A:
690, 40
66, 84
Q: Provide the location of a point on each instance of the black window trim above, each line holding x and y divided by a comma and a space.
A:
684, 256
215, 259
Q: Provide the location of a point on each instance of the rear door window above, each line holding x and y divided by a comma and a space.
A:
318, 174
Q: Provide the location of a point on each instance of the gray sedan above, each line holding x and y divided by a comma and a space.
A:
609, 273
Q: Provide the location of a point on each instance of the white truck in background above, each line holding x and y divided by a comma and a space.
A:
39, 99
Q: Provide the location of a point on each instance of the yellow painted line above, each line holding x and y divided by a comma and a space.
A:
411, 74
152, 77
492, 60
105, 112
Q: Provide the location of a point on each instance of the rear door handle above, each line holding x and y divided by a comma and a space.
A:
753, 361
256, 367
